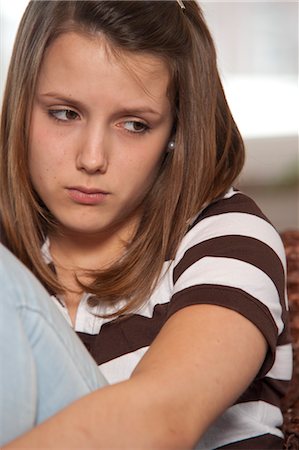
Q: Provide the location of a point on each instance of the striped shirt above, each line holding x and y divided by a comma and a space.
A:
231, 256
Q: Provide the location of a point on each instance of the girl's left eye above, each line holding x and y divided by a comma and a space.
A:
134, 126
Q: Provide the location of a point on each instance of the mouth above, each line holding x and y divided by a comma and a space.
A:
86, 196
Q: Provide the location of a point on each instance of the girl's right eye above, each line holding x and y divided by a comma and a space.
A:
63, 115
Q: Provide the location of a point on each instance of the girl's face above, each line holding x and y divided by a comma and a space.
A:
98, 133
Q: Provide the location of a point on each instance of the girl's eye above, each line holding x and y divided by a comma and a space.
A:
134, 126
64, 115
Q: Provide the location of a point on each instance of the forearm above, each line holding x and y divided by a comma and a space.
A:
118, 416
183, 383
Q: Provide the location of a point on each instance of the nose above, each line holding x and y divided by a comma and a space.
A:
92, 155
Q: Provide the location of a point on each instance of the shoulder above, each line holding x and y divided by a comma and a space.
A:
232, 256
232, 243
230, 223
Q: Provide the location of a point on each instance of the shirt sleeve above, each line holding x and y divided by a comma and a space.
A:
233, 257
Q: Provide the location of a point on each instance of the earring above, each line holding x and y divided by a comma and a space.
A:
171, 146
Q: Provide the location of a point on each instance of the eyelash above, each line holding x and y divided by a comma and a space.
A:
54, 112
145, 129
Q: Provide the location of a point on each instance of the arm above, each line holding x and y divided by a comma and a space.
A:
192, 372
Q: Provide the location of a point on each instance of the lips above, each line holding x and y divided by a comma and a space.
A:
86, 196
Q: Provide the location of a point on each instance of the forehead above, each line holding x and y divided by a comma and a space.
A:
75, 59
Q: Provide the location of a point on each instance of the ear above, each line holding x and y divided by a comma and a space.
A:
171, 145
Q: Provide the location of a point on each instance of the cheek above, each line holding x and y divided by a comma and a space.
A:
45, 155
37, 148
43, 166
39, 163
142, 172
151, 164
147, 159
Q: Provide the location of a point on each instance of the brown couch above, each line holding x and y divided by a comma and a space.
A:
291, 401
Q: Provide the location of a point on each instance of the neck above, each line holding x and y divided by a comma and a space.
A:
78, 251
76, 257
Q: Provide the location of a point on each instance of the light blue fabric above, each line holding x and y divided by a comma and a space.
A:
43, 364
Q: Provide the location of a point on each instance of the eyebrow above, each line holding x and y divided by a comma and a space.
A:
136, 111
125, 111
58, 98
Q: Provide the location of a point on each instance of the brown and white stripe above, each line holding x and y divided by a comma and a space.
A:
231, 256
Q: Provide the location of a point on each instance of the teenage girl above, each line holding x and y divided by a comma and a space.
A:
118, 157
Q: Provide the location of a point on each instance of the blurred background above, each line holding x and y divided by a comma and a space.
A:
257, 44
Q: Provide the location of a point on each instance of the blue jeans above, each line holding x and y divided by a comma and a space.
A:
43, 364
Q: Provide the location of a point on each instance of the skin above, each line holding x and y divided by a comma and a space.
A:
98, 134
193, 370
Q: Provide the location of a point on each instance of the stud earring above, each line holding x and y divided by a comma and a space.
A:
171, 146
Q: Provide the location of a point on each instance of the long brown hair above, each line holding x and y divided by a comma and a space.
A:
209, 151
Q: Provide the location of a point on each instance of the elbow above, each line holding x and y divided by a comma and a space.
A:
176, 439
172, 431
